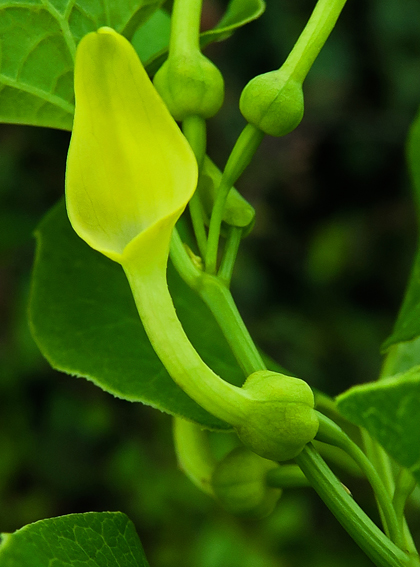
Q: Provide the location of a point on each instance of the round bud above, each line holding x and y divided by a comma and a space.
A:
273, 102
239, 484
280, 419
190, 85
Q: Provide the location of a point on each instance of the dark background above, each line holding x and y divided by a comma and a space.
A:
319, 282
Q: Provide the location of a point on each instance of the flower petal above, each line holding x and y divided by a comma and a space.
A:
129, 166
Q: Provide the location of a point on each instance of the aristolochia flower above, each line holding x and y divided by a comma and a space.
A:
130, 171
130, 174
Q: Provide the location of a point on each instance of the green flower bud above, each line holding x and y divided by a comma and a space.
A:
273, 102
280, 419
190, 85
239, 484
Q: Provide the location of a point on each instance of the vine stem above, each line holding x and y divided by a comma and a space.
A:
360, 527
330, 432
218, 298
312, 39
185, 27
194, 129
240, 157
229, 254
404, 486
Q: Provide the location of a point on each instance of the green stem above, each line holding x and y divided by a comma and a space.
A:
242, 153
380, 460
194, 129
171, 344
366, 534
229, 254
185, 27
312, 39
404, 486
330, 432
382, 464
339, 457
188, 271
197, 219
193, 453
221, 303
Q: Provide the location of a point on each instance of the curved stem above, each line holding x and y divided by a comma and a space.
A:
188, 271
240, 157
339, 457
219, 300
197, 219
171, 344
365, 533
330, 432
229, 254
312, 39
193, 453
404, 486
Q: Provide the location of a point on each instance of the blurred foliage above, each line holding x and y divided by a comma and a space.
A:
319, 282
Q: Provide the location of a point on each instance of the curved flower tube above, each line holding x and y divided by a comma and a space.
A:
130, 174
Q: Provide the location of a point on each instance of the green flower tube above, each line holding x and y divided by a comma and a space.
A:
130, 174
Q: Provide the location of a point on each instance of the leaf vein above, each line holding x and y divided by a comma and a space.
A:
64, 25
39, 93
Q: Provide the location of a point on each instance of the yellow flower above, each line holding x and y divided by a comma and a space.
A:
130, 171
130, 174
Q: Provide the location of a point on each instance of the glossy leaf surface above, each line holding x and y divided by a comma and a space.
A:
389, 410
38, 44
94, 539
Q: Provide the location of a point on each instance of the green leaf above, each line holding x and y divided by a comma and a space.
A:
401, 357
85, 322
153, 36
95, 539
38, 44
407, 326
389, 410
238, 13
